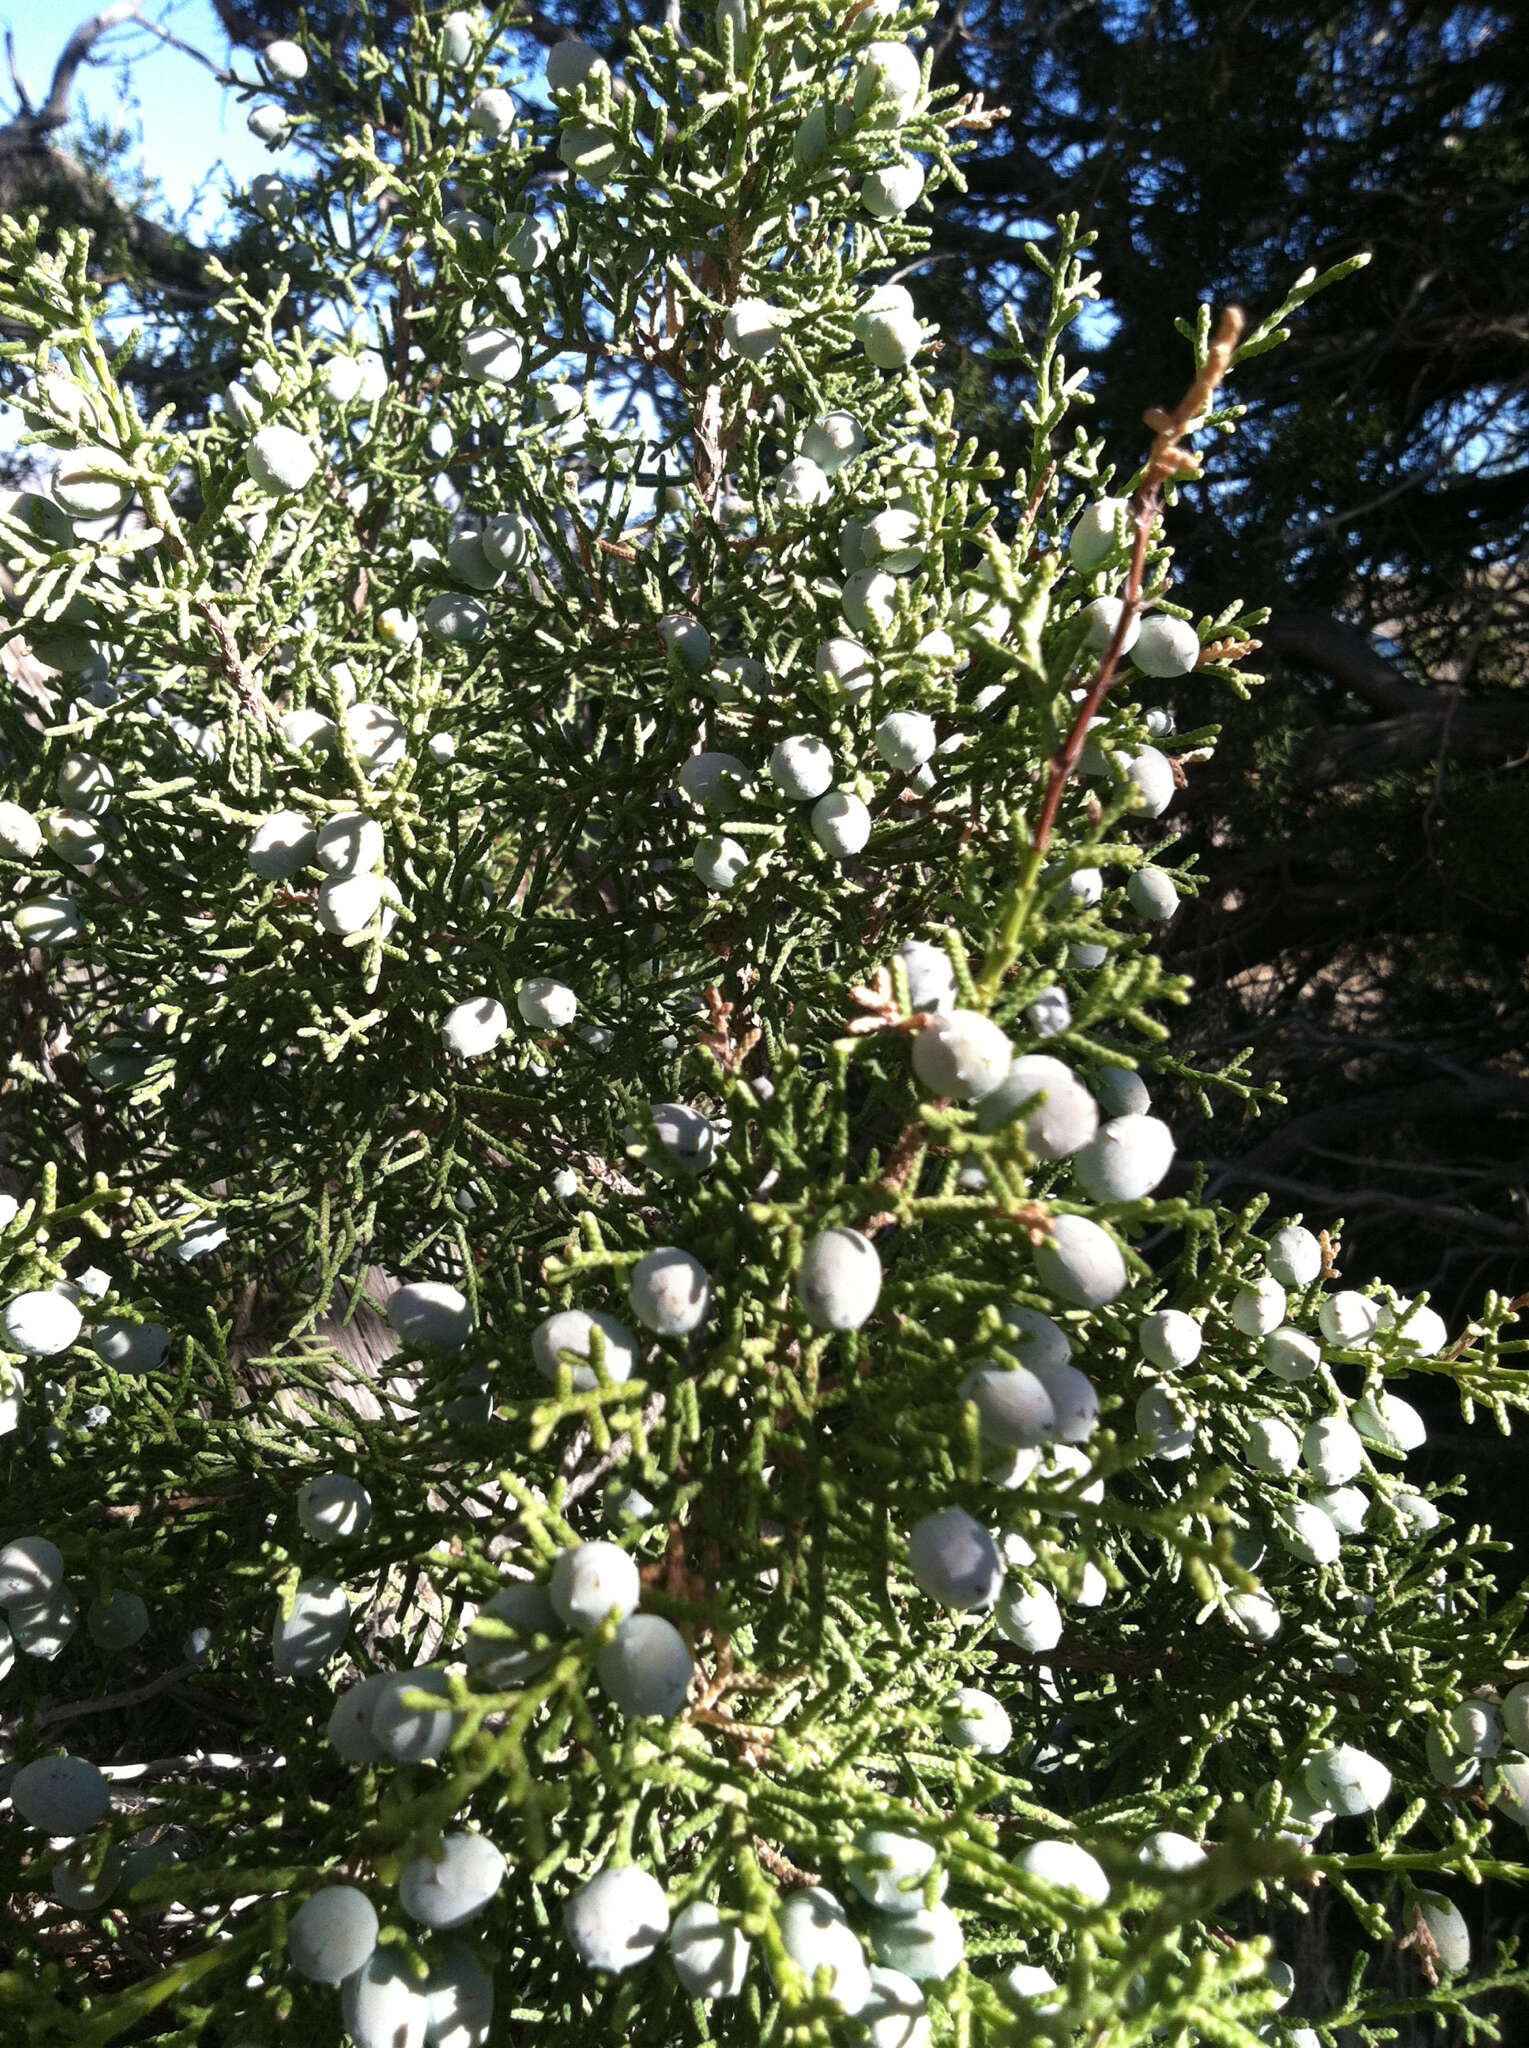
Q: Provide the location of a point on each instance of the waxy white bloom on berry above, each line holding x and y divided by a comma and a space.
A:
1150, 776
801, 484
1290, 1354
1159, 1419
710, 1955
333, 1508
1255, 1614
686, 639
1126, 1159
719, 862
1347, 1508
646, 1668
349, 844
1258, 1309
892, 1878
891, 339
839, 1280
1092, 538
1080, 1263
1067, 1867
378, 736
414, 1733
570, 63
801, 767
115, 1621
280, 460
546, 1005
889, 81
332, 1934
1390, 1423
475, 1027
281, 846
1103, 617
306, 727
447, 1890
845, 667
1349, 1319
31, 1571
735, 678
311, 1631
1073, 1396
1013, 1406
833, 440
454, 620
591, 1582
617, 1920
130, 1347
20, 833
490, 355
493, 113
1333, 1450
1348, 1780
670, 1292
1294, 1256
1165, 646
286, 60
272, 196
61, 1795
752, 328
1273, 1446
840, 823
955, 1561
926, 1944
84, 783
1030, 1617
962, 1053
816, 1933
1050, 1013
905, 740
1307, 1533
431, 1312
1170, 1339
889, 541
88, 483
1424, 1330
1152, 895
381, 2004
350, 903
975, 1720
41, 1323
868, 601
888, 192
571, 1329
268, 123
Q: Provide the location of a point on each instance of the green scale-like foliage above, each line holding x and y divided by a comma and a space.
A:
226, 1120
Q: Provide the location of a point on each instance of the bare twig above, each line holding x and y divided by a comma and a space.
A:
54, 111
1167, 460
130, 1696
23, 97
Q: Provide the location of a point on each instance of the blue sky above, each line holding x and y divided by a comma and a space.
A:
189, 123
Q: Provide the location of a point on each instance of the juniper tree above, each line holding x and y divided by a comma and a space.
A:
656, 902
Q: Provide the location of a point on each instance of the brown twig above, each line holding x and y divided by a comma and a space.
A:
730, 1052
781, 1866
131, 1696
1167, 460
232, 663
901, 1168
